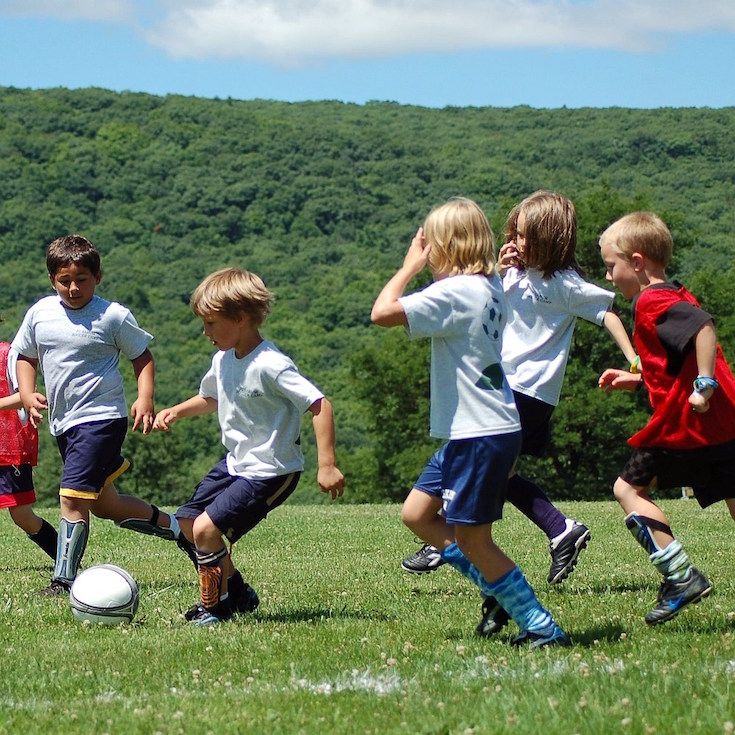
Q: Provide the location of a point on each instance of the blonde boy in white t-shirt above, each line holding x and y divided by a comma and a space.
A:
259, 397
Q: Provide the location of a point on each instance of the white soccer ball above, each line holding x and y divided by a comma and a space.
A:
104, 594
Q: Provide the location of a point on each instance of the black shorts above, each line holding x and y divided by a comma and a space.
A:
709, 471
237, 504
16, 486
535, 424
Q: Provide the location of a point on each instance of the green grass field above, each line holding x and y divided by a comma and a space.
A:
345, 642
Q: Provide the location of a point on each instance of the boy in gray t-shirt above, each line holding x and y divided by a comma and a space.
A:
77, 338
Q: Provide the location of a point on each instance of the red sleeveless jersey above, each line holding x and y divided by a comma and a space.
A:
18, 443
674, 425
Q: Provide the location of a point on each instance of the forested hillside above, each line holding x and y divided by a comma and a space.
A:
322, 199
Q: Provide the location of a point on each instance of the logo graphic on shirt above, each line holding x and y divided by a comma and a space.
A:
538, 296
492, 319
492, 377
244, 392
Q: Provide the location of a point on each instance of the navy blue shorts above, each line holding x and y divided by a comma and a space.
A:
237, 504
91, 456
709, 471
16, 486
535, 424
471, 477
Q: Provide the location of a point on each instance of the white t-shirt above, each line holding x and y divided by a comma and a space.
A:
538, 338
465, 317
260, 400
79, 352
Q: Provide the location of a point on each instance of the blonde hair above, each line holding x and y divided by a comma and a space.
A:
232, 292
460, 238
550, 231
640, 232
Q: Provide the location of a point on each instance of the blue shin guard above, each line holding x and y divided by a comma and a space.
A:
640, 526
72, 541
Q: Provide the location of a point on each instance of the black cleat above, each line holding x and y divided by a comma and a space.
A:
426, 559
675, 595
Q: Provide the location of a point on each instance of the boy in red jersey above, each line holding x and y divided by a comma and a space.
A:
18, 455
690, 438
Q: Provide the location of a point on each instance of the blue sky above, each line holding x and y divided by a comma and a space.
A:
543, 53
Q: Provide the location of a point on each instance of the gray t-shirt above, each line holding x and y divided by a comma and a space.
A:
79, 351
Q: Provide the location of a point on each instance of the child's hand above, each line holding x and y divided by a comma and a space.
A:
700, 401
164, 419
508, 257
331, 480
34, 407
613, 379
143, 414
418, 253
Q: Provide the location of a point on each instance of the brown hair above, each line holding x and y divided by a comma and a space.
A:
72, 250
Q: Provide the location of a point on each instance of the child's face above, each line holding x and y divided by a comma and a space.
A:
619, 270
227, 334
520, 238
75, 285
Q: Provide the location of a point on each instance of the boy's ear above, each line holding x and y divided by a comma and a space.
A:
637, 261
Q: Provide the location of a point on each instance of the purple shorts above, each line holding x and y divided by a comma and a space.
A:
237, 504
16, 486
91, 456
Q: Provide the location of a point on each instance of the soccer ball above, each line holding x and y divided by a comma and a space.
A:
104, 594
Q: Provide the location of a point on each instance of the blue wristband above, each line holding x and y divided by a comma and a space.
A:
702, 383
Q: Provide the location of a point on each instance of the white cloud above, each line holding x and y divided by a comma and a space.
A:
296, 31
94, 10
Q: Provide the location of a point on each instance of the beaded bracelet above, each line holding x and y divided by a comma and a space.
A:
635, 366
704, 382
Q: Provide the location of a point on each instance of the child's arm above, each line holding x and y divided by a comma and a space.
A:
142, 409
34, 403
330, 479
613, 379
195, 406
617, 331
9, 402
705, 345
387, 310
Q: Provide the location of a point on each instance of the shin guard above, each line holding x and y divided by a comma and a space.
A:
210, 576
72, 542
640, 527
151, 527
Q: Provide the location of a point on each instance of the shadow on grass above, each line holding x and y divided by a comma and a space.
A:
593, 636
608, 589
318, 615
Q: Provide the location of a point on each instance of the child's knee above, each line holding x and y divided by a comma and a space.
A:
623, 490
203, 529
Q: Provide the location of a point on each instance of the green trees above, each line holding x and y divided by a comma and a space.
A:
322, 199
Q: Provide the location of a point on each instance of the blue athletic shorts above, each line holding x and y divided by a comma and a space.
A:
91, 456
471, 476
16, 486
237, 504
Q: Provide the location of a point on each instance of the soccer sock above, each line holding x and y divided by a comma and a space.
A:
210, 576
516, 596
533, 502
672, 562
46, 538
235, 583
454, 556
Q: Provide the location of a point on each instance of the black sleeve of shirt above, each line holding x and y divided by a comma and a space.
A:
676, 328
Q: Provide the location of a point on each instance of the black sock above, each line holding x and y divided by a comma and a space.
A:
46, 538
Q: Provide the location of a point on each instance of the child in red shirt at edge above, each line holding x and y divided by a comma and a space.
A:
18, 456
690, 438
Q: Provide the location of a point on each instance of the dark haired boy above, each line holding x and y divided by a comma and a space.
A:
77, 338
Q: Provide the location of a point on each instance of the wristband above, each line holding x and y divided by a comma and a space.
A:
635, 366
703, 383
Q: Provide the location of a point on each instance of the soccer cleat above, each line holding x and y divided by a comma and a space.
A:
200, 615
673, 595
565, 551
494, 618
244, 599
552, 635
57, 588
426, 559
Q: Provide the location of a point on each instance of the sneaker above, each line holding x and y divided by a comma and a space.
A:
56, 589
426, 559
553, 635
673, 595
244, 599
494, 618
565, 551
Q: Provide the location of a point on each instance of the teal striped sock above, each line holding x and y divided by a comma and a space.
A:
516, 596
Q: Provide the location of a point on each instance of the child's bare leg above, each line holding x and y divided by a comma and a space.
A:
477, 545
730, 502
635, 501
24, 517
420, 512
